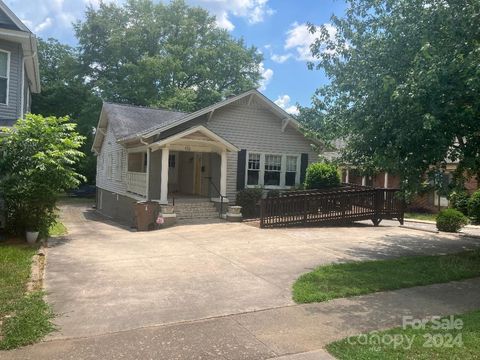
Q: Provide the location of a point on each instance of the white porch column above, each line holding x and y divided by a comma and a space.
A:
385, 181
364, 180
347, 176
164, 176
147, 185
223, 174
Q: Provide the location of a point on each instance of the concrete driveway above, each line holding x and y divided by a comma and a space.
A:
103, 278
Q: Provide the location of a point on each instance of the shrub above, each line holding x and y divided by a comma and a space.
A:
451, 220
39, 164
459, 201
474, 207
248, 200
273, 193
321, 176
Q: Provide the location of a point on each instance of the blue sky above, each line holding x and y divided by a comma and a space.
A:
276, 27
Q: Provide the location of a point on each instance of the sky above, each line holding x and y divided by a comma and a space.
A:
276, 27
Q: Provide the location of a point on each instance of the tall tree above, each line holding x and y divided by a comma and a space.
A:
166, 55
405, 85
66, 92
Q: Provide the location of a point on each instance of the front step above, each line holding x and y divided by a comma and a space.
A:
196, 210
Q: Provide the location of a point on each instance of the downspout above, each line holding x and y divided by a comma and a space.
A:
22, 96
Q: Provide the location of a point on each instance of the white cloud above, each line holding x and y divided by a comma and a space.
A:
54, 18
43, 25
284, 102
254, 11
281, 58
267, 75
300, 39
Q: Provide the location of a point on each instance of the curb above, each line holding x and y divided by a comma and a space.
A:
420, 229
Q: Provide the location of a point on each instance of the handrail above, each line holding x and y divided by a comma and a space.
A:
218, 192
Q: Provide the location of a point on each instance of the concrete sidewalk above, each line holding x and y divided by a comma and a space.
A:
268, 334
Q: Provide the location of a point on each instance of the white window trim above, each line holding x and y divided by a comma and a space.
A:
261, 175
8, 76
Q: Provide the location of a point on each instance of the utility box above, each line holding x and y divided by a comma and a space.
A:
145, 215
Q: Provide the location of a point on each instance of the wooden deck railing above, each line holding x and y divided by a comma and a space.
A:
339, 205
137, 183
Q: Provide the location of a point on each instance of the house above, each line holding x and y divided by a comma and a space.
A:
429, 201
198, 160
19, 71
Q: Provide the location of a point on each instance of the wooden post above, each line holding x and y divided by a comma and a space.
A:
305, 209
164, 177
262, 213
223, 173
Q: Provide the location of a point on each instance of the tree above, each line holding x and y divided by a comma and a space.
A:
166, 55
405, 85
38, 165
66, 92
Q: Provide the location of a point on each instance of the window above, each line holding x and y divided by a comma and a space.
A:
273, 167
272, 170
4, 66
291, 171
253, 175
119, 165
171, 161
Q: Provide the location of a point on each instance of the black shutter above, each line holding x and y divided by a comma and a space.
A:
241, 166
303, 167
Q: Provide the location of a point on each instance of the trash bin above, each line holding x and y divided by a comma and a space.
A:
145, 215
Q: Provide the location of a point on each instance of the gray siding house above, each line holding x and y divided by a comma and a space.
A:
209, 155
19, 72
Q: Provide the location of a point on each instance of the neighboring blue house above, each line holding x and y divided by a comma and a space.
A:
19, 72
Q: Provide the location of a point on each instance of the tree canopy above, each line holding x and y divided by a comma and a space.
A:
404, 91
167, 55
142, 53
65, 92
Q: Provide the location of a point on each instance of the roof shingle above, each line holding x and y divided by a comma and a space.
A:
128, 120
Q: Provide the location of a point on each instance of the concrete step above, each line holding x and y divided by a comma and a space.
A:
196, 210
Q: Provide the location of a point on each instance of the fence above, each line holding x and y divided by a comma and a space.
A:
333, 206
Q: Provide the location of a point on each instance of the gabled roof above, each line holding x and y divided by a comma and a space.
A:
209, 109
194, 130
128, 120
17, 32
14, 19
130, 123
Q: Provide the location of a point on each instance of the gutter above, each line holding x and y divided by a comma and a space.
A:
22, 96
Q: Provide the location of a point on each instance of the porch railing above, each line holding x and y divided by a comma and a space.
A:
339, 205
217, 192
137, 183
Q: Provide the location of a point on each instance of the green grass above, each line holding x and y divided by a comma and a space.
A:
25, 317
357, 278
467, 339
57, 229
421, 216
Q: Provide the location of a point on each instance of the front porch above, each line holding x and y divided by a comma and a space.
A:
191, 164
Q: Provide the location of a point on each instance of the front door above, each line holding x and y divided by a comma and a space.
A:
201, 182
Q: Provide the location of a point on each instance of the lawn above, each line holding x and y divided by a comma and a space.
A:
25, 318
428, 343
57, 229
421, 216
357, 278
